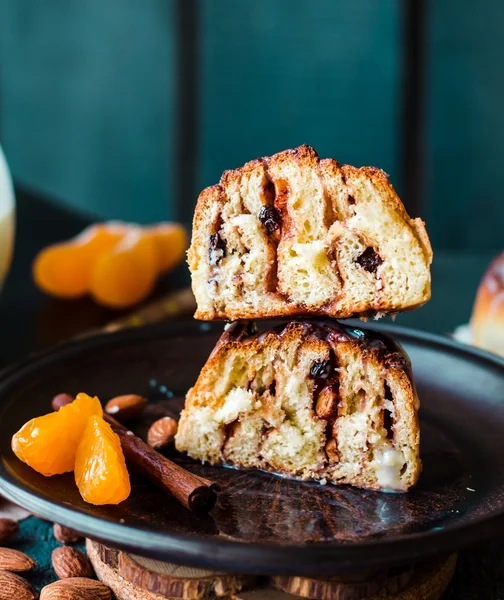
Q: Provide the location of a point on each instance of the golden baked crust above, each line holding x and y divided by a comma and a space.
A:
487, 321
313, 400
293, 235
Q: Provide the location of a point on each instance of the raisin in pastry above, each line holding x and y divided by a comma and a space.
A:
312, 400
293, 235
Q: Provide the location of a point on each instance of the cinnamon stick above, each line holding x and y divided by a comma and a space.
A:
195, 493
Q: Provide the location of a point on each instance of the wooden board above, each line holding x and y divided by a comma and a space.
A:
136, 578
425, 582
151, 578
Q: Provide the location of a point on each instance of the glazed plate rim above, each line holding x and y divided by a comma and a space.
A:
226, 554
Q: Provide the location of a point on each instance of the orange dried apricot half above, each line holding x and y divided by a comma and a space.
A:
64, 270
171, 240
117, 263
128, 273
58, 270
49, 443
100, 469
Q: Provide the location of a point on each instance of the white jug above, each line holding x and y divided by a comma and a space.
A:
6, 218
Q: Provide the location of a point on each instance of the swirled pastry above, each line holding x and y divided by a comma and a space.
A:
293, 235
313, 400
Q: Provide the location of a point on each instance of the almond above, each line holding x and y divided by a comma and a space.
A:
125, 407
53, 591
162, 433
76, 587
61, 400
15, 587
69, 562
326, 405
331, 450
65, 535
15, 561
8, 529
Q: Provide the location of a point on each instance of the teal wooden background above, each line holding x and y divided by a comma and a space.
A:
282, 73
87, 99
86, 102
465, 202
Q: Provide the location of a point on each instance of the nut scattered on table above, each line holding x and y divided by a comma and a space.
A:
14, 587
61, 400
76, 587
66, 592
65, 535
162, 433
125, 408
9, 528
15, 561
69, 562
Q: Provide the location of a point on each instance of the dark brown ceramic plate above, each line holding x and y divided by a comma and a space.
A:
263, 523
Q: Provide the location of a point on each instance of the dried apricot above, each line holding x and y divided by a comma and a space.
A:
100, 469
64, 270
117, 263
126, 274
171, 240
49, 443
60, 270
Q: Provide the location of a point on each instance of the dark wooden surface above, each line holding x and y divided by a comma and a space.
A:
31, 321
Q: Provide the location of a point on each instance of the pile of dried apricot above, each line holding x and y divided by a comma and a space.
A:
76, 438
117, 263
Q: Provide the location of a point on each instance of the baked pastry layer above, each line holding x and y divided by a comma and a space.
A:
293, 235
314, 400
487, 321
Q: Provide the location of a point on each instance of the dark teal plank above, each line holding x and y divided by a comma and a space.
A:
466, 124
278, 74
87, 102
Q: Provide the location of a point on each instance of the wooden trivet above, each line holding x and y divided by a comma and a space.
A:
420, 582
136, 578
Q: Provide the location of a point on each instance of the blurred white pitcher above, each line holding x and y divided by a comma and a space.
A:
6, 218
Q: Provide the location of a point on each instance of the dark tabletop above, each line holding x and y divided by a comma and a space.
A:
31, 321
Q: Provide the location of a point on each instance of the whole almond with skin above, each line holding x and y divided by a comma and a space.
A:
14, 587
61, 400
65, 592
8, 529
65, 535
80, 585
162, 433
69, 562
126, 407
15, 561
